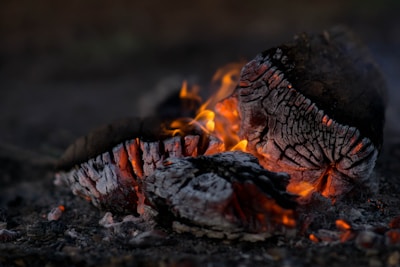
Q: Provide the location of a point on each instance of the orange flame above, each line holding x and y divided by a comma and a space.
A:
302, 188
218, 115
192, 94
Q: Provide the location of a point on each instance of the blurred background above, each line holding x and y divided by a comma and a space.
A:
69, 66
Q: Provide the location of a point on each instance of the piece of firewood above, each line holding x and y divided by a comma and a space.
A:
314, 108
226, 195
106, 166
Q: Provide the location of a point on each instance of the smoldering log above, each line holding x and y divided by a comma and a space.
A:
111, 178
226, 195
315, 108
106, 137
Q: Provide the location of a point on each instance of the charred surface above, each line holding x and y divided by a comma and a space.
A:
112, 179
314, 108
227, 195
108, 136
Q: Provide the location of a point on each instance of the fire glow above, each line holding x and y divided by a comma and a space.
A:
217, 116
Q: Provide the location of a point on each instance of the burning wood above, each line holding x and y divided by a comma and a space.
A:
112, 179
225, 195
313, 108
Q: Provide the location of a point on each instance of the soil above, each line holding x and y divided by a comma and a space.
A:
67, 69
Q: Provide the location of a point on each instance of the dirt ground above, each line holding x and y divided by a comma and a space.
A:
67, 68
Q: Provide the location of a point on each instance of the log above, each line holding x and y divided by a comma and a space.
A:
314, 108
226, 195
106, 166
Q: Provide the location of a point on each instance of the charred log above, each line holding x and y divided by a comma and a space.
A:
314, 108
111, 179
227, 195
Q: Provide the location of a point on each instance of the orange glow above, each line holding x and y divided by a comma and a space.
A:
342, 225
218, 115
325, 119
206, 120
313, 238
241, 146
192, 94
347, 236
393, 236
358, 147
287, 218
302, 188
62, 208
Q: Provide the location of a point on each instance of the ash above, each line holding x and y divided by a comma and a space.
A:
83, 235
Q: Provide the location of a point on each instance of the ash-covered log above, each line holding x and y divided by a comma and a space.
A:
107, 165
226, 195
314, 108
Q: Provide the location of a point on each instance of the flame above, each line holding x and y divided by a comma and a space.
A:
241, 146
192, 94
218, 115
205, 119
302, 188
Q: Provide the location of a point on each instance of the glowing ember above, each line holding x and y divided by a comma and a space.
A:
302, 188
346, 229
343, 225
313, 238
393, 236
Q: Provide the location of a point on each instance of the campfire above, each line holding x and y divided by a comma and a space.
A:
299, 126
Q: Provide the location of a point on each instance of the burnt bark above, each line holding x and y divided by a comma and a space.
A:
315, 108
226, 195
111, 180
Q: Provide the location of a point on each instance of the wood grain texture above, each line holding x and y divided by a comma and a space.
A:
315, 108
226, 195
111, 179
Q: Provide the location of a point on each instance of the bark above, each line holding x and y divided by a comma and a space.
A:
111, 180
226, 195
314, 108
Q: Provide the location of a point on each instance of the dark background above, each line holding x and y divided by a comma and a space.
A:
66, 67
69, 66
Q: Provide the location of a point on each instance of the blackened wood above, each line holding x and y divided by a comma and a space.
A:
315, 108
225, 195
106, 180
112, 179
108, 136
98, 141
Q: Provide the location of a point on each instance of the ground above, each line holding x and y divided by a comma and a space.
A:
66, 69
